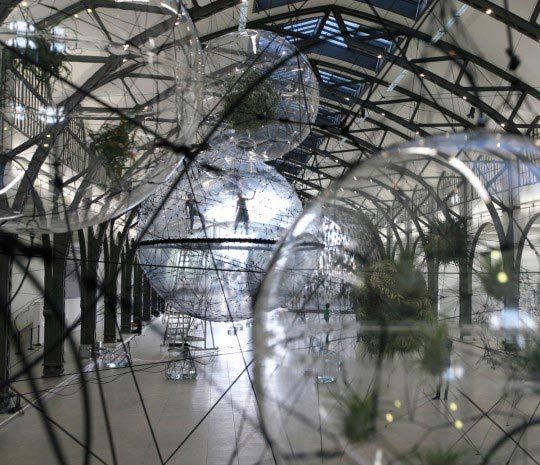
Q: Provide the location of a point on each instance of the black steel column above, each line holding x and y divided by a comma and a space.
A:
137, 293
147, 290
109, 292
465, 291
126, 300
155, 302
54, 309
433, 284
90, 247
5, 322
465, 264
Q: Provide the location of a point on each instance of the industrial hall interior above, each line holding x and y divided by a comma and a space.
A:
269, 232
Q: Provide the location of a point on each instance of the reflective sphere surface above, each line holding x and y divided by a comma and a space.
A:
415, 313
72, 159
261, 94
208, 247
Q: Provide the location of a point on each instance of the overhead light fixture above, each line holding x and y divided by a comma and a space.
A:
489, 11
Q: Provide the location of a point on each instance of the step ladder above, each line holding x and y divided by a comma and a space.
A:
177, 329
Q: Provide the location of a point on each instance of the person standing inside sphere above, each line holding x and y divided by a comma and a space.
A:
326, 316
445, 375
242, 215
326, 313
192, 209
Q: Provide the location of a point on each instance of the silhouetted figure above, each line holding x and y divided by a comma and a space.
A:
326, 313
445, 374
326, 316
242, 215
193, 210
138, 326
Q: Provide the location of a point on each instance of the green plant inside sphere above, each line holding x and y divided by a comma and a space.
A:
114, 145
439, 457
251, 102
394, 292
358, 421
447, 240
45, 61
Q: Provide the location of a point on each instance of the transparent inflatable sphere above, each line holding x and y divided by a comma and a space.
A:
208, 246
402, 306
94, 124
261, 94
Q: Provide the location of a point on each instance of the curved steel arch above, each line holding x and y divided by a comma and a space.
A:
272, 21
453, 51
450, 51
407, 93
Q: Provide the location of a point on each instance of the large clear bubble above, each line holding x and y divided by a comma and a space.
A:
209, 245
93, 124
261, 94
419, 315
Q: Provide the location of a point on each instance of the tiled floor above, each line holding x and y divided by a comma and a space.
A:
194, 422
213, 420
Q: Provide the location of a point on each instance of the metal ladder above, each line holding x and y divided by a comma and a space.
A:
176, 329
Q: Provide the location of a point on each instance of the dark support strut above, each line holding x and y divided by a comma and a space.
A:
5, 321
54, 308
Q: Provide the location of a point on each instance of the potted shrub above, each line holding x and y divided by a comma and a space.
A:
114, 145
446, 240
251, 101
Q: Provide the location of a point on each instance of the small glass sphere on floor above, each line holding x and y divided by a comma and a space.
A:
261, 94
76, 160
208, 247
418, 314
